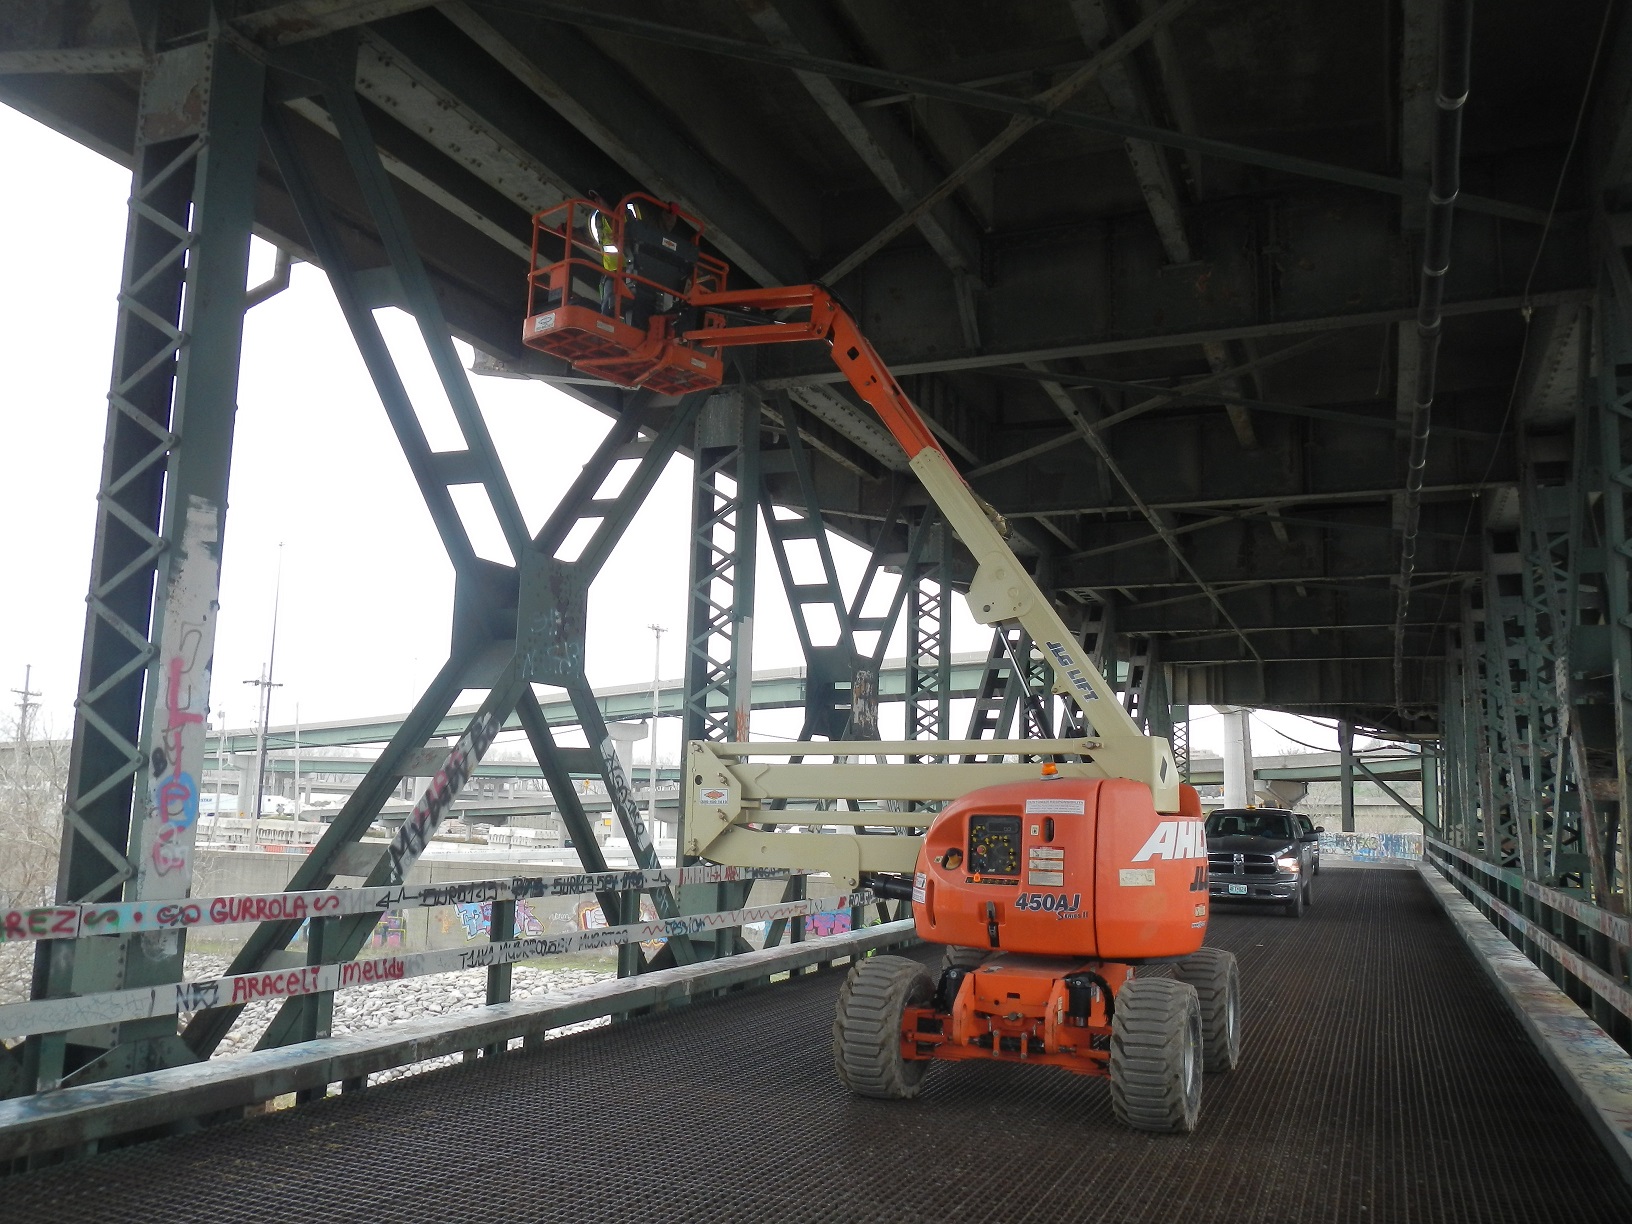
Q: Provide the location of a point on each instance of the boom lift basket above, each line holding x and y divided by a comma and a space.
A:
609, 288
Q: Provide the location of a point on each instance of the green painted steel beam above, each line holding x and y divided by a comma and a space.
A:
350, 767
1406, 769
774, 690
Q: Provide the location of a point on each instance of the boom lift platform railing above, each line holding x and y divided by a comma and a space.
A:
668, 321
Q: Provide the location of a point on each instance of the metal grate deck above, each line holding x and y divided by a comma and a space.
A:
1383, 1082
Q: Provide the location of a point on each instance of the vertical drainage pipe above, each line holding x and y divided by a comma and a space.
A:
1451, 91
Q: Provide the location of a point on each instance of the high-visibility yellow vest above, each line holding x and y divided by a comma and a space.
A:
605, 235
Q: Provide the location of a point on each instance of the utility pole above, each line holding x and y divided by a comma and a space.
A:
266, 686
20, 749
220, 763
657, 661
297, 762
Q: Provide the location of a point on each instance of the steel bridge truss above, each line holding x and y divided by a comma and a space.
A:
1537, 710
144, 692
1535, 720
518, 619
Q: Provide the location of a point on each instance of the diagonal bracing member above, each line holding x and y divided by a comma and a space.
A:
478, 581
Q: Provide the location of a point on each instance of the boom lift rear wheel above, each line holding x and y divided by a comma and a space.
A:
963, 958
1217, 982
867, 1027
1156, 1055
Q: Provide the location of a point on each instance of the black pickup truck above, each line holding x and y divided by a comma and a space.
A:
1266, 855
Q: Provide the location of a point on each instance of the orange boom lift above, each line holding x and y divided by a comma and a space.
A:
1073, 904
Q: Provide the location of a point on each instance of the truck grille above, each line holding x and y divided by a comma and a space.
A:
1251, 864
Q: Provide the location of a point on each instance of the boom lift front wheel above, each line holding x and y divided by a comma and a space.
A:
1156, 1055
867, 1027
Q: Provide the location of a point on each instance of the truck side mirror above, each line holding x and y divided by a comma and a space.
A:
1320, 828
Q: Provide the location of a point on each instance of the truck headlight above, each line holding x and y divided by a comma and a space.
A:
1290, 864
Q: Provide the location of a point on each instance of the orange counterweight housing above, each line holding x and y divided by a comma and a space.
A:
1065, 867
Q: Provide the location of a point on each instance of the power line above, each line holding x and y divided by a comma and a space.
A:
1270, 727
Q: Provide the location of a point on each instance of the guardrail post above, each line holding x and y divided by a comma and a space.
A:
501, 927
317, 1010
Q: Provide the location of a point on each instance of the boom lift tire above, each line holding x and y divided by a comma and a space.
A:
1156, 1055
963, 958
1217, 982
867, 1027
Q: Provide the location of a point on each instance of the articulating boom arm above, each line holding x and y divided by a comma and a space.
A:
1002, 590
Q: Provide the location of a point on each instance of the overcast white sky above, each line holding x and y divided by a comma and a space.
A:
367, 590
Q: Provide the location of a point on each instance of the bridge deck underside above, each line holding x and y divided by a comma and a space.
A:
1383, 1080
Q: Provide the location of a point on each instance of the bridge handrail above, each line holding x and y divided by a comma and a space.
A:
117, 1006
1533, 938
1617, 927
84, 920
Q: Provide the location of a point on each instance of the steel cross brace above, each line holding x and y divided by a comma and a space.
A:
839, 677
546, 646
841, 698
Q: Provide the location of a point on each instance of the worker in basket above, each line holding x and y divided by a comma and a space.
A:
603, 231
658, 255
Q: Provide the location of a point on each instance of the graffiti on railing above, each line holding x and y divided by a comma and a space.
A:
126, 917
828, 922
477, 920
389, 931
592, 918
116, 1007
1371, 846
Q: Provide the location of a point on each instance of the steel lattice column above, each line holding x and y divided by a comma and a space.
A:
1143, 672
1614, 411
724, 544
929, 636
143, 699
1179, 715
720, 618
1504, 685
1573, 850
1493, 800
1460, 753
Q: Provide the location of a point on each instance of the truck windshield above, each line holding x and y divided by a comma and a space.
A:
1249, 824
